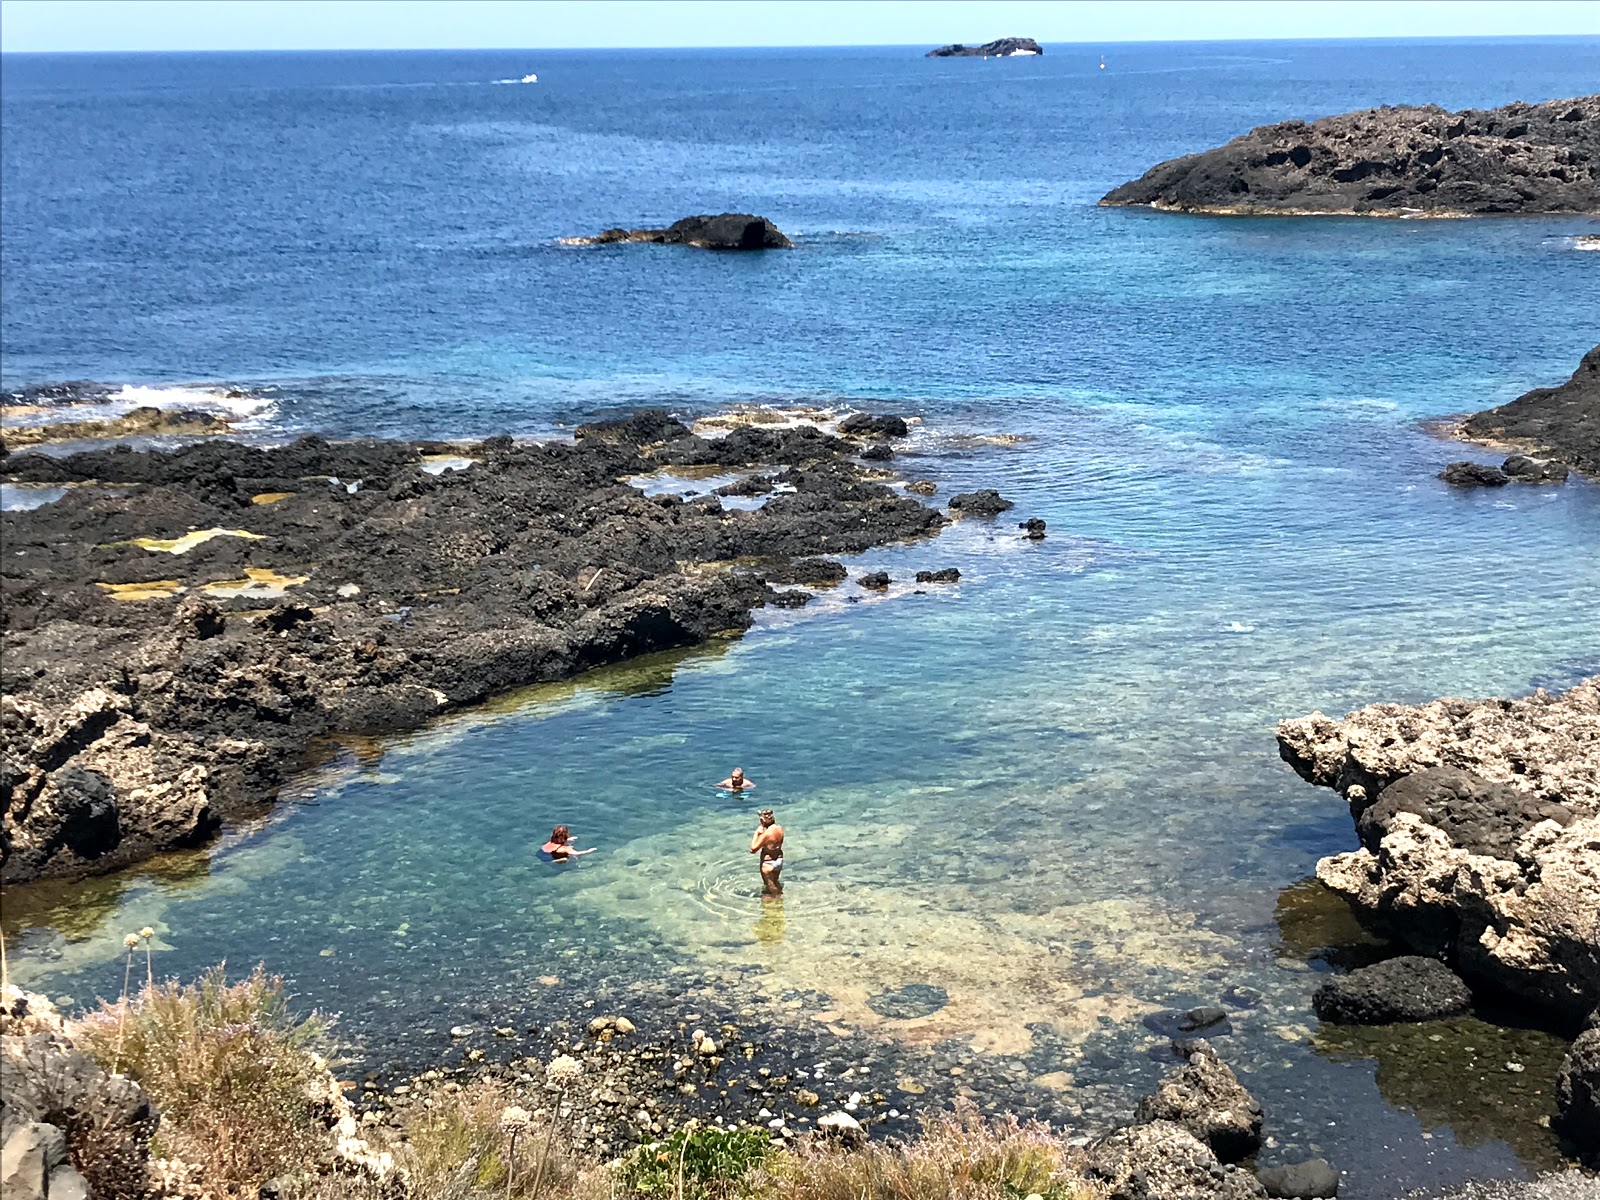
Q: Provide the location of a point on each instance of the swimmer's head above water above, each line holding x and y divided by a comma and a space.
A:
736, 781
561, 835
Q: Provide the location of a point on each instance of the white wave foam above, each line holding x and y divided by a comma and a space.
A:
232, 401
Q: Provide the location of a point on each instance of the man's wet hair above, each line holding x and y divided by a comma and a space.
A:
765, 812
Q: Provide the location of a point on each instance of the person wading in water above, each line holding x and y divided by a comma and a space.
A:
767, 841
736, 782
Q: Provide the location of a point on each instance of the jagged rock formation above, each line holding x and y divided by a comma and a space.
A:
1206, 1098
726, 231
1392, 161
1488, 854
1561, 423
1011, 47
147, 421
172, 650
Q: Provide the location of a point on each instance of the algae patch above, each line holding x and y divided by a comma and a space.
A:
155, 589
259, 583
195, 537
269, 497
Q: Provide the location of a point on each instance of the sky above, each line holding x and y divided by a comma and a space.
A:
81, 25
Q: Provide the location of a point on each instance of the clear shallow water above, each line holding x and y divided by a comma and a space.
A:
1051, 790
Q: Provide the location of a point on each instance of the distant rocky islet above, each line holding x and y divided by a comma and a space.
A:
1007, 47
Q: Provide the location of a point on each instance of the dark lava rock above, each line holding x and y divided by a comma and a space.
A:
1477, 814
1522, 158
1033, 529
1471, 474
943, 575
791, 599
1578, 1095
1314, 1179
1410, 988
1242, 997
816, 572
922, 487
1207, 1099
1010, 47
864, 425
909, 1002
642, 428
879, 452
1525, 469
135, 725
1561, 422
726, 231
754, 485
984, 503
877, 580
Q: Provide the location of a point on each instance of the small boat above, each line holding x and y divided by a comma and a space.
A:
1102, 62
529, 78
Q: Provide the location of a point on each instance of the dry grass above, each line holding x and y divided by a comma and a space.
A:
231, 1072
458, 1149
960, 1156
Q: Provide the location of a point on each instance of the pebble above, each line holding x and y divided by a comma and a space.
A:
460, 1031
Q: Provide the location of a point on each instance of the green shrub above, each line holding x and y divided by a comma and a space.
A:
695, 1163
230, 1070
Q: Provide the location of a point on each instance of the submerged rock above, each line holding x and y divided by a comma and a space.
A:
725, 231
909, 1002
1561, 423
1409, 988
1206, 1098
1314, 1179
1392, 161
1495, 882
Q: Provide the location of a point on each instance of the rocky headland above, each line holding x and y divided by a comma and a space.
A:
1479, 824
1561, 424
725, 231
1392, 161
1010, 47
176, 646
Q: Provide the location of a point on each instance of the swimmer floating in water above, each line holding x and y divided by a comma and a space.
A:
767, 841
736, 782
560, 847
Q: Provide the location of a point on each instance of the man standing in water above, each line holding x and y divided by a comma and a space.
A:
767, 841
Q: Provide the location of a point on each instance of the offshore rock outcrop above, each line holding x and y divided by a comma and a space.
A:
1010, 47
1561, 423
146, 421
1392, 161
1480, 823
172, 651
725, 231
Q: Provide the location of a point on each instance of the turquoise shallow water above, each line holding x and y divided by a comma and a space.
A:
1051, 790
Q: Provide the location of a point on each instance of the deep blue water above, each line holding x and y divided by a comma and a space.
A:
1225, 416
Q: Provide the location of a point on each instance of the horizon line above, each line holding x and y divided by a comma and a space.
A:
1473, 37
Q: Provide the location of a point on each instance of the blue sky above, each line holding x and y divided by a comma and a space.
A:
35, 25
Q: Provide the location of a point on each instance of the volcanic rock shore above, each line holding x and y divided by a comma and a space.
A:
1392, 161
1561, 423
174, 648
1480, 830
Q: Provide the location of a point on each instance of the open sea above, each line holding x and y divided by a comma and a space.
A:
1052, 790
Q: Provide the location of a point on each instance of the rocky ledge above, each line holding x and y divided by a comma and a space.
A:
1480, 831
1011, 47
1392, 161
1561, 423
173, 647
726, 231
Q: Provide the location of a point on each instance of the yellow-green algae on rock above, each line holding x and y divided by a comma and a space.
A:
195, 537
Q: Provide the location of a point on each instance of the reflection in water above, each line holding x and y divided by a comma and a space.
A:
769, 926
1483, 1082
1316, 925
